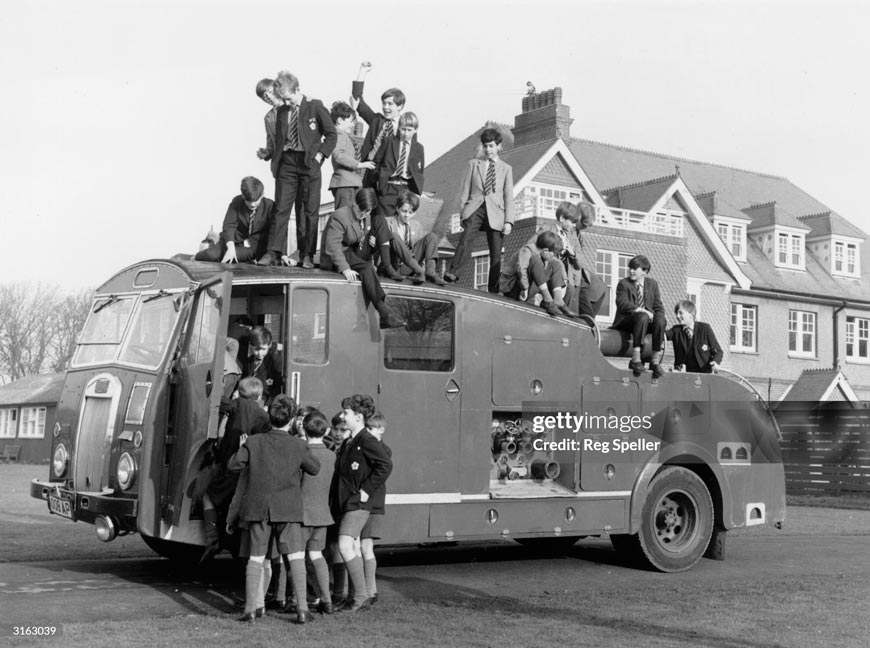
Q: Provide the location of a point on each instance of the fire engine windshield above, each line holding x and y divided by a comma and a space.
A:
135, 331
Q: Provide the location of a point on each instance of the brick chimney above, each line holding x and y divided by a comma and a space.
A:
544, 117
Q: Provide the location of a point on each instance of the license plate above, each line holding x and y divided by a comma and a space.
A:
60, 506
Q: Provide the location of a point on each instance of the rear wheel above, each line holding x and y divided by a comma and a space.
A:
677, 520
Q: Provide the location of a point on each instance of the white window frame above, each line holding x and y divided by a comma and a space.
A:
547, 199
792, 246
846, 253
857, 330
455, 223
733, 235
802, 323
739, 314
8, 423
480, 260
615, 261
32, 424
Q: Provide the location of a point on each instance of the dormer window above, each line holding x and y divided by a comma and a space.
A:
733, 235
844, 260
790, 250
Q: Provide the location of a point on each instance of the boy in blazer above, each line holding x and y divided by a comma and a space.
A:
486, 203
272, 502
305, 136
266, 92
347, 169
264, 364
639, 310
410, 246
382, 126
696, 348
362, 466
399, 165
246, 226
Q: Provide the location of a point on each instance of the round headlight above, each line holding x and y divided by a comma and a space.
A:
126, 472
59, 462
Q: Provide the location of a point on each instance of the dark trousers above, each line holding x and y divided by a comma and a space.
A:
372, 290
388, 199
296, 184
216, 252
579, 301
639, 325
494, 238
422, 252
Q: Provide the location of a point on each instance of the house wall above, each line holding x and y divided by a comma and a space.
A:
33, 450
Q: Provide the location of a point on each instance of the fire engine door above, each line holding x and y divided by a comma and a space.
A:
198, 386
419, 385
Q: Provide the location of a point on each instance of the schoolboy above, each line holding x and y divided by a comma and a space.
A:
272, 502
399, 165
566, 221
362, 466
382, 126
592, 291
316, 515
486, 203
245, 416
305, 137
264, 363
246, 225
376, 425
696, 348
350, 239
639, 310
410, 247
534, 268
347, 169
266, 92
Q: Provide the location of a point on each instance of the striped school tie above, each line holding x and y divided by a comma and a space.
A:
386, 132
489, 186
293, 125
400, 167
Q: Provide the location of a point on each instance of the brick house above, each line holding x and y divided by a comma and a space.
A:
777, 274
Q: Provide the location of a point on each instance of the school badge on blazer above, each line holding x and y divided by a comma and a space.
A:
312, 123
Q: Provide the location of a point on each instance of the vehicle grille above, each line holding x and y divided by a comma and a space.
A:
94, 441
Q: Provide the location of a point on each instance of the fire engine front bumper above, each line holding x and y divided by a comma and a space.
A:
83, 506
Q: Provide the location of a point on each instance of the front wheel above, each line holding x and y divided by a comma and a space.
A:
677, 520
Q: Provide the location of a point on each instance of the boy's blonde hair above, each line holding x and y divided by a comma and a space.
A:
409, 119
250, 388
376, 420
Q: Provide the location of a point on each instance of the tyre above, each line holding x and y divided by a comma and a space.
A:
178, 552
677, 520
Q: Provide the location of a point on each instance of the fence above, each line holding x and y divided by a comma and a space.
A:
825, 448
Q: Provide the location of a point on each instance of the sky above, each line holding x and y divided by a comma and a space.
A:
127, 126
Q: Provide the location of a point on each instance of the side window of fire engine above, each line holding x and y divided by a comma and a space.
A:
428, 341
309, 329
203, 332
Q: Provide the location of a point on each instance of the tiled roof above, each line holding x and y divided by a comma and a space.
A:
640, 196
715, 205
814, 383
41, 388
769, 214
828, 223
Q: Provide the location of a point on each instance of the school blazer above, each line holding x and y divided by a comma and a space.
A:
344, 173
238, 225
626, 299
387, 159
398, 229
316, 132
499, 205
344, 229
362, 464
703, 346
275, 462
374, 120
269, 373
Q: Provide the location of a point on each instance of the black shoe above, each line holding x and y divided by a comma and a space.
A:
325, 608
303, 616
210, 552
307, 264
449, 277
388, 272
247, 617
281, 606
567, 312
260, 612
636, 366
342, 604
374, 598
657, 370
418, 278
362, 606
431, 277
267, 259
551, 309
391, 320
